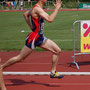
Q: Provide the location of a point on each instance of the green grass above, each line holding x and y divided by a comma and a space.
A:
11, 24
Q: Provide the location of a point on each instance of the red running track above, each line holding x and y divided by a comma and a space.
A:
46, 10
41, 61
46, 83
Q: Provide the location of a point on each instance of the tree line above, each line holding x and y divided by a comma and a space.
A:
77, 0
54, 0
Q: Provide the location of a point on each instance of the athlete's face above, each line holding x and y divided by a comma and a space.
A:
44, 1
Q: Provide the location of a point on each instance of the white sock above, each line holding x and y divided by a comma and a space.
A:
53, 71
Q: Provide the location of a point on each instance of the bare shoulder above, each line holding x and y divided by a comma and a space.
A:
39, 12
37, 9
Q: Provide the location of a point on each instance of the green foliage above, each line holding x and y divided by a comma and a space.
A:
76, 0
62, 0
71, 4
49, 5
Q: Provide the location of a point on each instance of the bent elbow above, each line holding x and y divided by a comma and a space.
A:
25, 15
50, 21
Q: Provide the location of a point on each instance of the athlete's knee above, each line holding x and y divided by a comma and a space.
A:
58, 51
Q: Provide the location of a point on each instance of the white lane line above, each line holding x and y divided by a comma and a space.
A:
45, 73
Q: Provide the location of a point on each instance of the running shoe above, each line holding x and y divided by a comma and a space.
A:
56, 75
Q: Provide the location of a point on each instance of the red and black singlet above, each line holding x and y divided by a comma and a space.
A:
36, 37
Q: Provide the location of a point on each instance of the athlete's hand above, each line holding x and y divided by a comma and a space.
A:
58, 4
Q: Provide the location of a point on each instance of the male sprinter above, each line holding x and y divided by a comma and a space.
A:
2, 85
37, 38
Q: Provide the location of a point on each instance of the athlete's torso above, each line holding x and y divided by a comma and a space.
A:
37, 23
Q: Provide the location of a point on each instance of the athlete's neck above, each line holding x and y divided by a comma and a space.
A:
40, 4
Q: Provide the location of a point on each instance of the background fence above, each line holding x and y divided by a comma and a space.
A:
48, 5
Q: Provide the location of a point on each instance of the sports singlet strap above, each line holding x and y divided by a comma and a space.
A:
37, 23
35, 6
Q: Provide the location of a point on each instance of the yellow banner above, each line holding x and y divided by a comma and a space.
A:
85, 36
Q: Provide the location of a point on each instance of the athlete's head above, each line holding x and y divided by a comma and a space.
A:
42, 1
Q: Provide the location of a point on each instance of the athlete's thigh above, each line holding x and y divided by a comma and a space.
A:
25, 52
51, 46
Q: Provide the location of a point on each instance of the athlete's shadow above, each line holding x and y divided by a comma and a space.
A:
81, 63
73, 65
15, 82
84, 63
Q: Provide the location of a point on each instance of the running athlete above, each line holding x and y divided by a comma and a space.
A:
37, 38
2, 84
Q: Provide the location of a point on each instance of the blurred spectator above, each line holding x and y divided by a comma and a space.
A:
29, 1
21, 4
9, 4
78, 3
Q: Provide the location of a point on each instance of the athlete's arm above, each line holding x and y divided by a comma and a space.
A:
27, 19
51, 17
2, 84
